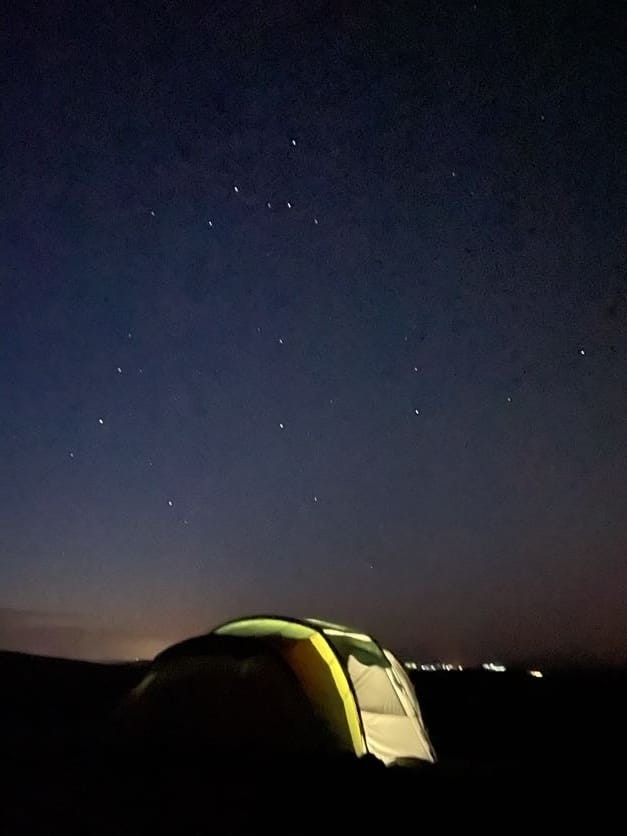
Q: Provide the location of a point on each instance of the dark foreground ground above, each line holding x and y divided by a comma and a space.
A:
514, 752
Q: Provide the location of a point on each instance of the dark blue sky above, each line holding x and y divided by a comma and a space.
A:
319, 310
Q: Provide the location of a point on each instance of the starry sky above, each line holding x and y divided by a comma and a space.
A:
320, 309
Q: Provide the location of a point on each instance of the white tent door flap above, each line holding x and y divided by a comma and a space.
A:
389, 712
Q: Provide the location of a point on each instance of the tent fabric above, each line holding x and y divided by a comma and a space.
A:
260, 627
254, 704
408, 698
330, 699
391, 737
373, 689
282, 685
391, 726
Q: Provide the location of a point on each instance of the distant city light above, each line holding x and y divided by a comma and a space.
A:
536, 674
490, 666
433, 666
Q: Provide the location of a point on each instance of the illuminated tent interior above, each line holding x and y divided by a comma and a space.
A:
282, 686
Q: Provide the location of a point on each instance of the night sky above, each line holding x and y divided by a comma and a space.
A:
315, 308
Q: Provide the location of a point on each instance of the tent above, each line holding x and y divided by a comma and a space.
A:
284, 685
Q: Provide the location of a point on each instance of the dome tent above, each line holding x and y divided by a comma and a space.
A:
282, 685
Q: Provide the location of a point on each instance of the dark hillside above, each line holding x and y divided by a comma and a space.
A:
502, 740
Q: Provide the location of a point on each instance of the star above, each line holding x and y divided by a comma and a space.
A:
152, 213
453, 174
71, 454
170, 503
280, 340
416, 412
101, 421
289, 205
119, 370
582, 351
210, 223
269, 205
315, 499
130, 335
282, 426
293, 142
235, 189
316, 221
416, 369
509, 400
